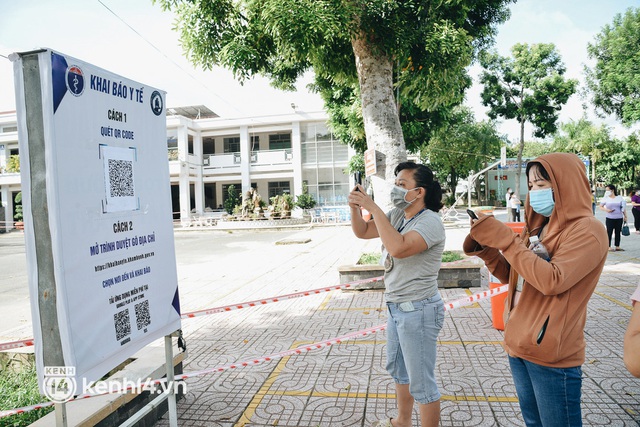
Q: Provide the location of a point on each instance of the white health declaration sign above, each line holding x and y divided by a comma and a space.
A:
97, 210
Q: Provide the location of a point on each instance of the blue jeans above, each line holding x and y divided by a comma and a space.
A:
412, 333
548, 397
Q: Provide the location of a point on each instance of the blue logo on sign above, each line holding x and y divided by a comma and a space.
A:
157, 105
75, 80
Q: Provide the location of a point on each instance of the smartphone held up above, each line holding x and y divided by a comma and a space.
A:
357, 177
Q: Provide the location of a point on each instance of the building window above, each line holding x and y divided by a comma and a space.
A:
279, 188
210, 195
190, 144
208, 145
172, 139
280, 141
232, 144
255, 143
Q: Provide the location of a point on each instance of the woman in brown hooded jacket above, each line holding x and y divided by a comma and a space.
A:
546, 306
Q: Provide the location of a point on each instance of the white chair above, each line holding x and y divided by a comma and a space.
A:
315, 216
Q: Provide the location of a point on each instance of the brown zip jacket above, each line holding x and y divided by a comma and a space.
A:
547, 325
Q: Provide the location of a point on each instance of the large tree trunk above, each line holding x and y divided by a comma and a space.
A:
381, 120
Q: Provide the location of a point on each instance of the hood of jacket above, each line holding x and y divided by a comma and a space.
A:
571, 193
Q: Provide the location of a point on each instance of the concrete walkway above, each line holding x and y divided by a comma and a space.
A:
346, 384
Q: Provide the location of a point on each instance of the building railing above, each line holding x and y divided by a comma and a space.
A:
257, 158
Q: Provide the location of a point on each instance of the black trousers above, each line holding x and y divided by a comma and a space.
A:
614, 225
636, 218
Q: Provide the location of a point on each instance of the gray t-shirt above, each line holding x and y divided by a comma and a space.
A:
415, 278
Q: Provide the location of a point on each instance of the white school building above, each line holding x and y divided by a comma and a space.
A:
274, 154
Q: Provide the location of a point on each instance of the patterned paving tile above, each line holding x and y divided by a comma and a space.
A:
347, 384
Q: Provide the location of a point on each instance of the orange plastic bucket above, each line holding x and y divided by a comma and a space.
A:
497, 306
517, 227
497, 302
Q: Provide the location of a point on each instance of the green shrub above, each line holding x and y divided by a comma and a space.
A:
369, 258
450, 256
372, 258
18, 207
18, 390
233, 199
305, 200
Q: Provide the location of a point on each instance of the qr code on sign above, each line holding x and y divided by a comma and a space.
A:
120, 178
122, 322
143, 318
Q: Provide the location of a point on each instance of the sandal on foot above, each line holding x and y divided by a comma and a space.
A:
383, 423
611, 249
619, 249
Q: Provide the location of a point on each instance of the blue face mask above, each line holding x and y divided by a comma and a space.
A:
541, 201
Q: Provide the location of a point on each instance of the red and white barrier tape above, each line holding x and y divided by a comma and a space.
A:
16, 344
293, 352
214, 310
475, 297
29, 342
256, 361
276, 299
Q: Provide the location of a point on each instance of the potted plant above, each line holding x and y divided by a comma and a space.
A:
18, 211
305, 201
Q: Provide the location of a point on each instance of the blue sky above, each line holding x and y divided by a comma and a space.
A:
89, 31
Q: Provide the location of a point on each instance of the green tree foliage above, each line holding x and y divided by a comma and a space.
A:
614, 81
356, 164
529, 86
356, 49
233, 199
620, 162
345, 117
531, 149
584, 138
461, 146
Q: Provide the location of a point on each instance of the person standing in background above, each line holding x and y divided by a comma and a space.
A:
615, 207
593, 201
515, 206
635, 210
507, 198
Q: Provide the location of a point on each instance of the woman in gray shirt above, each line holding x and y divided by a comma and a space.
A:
413, 240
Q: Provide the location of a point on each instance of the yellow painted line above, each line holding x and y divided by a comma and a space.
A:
349, 395
245, 418
615, 301
323, 305
475, 304
265, 389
